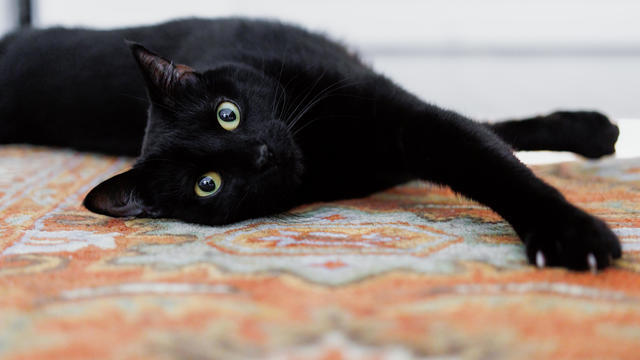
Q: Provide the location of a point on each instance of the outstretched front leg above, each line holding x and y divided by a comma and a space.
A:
385, 136
446, 148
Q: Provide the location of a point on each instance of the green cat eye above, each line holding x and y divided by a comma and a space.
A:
228, 115
208, 184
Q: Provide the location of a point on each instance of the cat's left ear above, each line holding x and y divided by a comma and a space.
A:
162, 76
118, 197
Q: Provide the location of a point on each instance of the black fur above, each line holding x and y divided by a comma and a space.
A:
316, 124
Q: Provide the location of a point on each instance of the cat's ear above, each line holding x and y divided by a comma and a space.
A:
117, 196
162, 76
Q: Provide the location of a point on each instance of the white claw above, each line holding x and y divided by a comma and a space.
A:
593, 264
540, 260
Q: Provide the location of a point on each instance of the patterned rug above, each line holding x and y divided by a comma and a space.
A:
415, 272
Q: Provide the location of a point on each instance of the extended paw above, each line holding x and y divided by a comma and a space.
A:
590, 133
580, 242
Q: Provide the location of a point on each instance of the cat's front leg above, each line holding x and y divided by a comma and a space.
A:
571, 238
447, 148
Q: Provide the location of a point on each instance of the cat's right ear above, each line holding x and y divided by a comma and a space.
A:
117, 196
163, 77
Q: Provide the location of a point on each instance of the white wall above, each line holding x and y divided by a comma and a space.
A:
488, 87
7, 16
390, 24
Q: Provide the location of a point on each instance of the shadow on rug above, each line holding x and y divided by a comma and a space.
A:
414, 272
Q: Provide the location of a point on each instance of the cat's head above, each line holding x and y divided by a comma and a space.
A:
214, 151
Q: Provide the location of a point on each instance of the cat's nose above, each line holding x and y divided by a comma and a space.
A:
264, 156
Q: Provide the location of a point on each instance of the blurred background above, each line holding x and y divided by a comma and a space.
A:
490, 59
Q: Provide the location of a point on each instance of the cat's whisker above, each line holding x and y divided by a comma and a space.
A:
292, 113
276, 95
295, 115
328, 91
278, 86
281, 97
317, 98
284, 102
284, 107
321, 96
303, 112
277, 110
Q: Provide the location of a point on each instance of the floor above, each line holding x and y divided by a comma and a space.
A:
415, 272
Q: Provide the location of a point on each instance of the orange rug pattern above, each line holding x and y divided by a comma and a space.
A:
415, 272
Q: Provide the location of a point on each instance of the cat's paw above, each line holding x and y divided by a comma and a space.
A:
577, 242
592, 134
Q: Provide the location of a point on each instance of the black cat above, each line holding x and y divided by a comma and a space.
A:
268, 116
